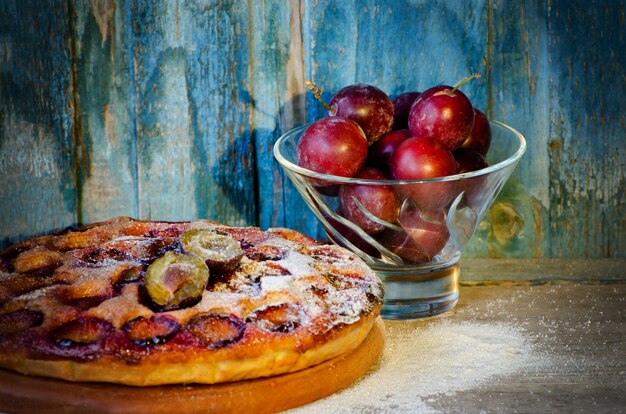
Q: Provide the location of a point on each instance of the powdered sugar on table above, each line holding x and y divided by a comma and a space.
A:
441, 357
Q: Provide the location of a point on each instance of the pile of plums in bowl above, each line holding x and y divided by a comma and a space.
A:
403, 183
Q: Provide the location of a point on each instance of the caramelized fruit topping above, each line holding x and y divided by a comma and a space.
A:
82, 331
37, 258
277, 318
266, 252
151, 331
220, 252
216, 331
174, 280
19, 320
97, 256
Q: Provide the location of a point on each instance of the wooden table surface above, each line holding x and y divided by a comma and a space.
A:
572, 336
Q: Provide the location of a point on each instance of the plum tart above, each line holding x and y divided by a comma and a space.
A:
149, 302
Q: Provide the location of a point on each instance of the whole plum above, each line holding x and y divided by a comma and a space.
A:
442, 113
419, 159
366, 105
379, 200
401, 107
479, 138
334, 146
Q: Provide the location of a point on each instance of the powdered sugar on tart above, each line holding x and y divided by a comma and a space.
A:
75, 305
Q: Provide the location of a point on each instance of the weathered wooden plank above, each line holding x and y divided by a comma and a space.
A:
577, 334
587, 135
567, 197
278, 105
164, 135
105, 134
194, 149
37, 152
223, 149
517, 225
577, 270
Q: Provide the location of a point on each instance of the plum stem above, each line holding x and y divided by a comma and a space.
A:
317, 93
464, 81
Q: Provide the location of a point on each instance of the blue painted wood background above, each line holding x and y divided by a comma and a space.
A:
169, 109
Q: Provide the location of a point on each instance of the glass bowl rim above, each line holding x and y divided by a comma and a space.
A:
351, 180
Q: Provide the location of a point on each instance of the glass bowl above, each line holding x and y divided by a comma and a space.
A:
417, 255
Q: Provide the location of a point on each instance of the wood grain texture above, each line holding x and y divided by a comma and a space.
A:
37, 144
105, 131
169, 109
194, 150
277, 96
517, 77
588, 130
539, 271
579, 330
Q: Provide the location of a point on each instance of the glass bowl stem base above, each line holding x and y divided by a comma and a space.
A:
419, 293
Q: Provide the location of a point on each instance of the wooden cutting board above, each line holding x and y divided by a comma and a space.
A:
24, 394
